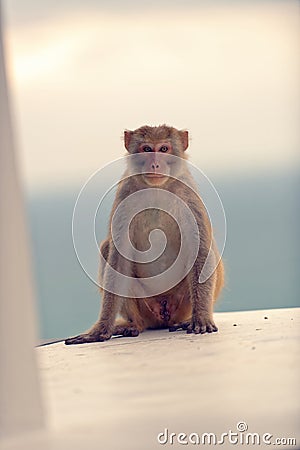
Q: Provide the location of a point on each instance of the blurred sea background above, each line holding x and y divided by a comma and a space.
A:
82, 72
261, 254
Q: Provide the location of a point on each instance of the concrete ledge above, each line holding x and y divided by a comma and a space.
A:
120, 394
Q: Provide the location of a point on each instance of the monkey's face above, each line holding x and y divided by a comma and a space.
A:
160, 153
156, 165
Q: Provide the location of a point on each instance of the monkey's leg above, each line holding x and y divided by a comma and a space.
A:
131, 322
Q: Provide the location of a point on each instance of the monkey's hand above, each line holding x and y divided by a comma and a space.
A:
88, 337
196, 325
100, 336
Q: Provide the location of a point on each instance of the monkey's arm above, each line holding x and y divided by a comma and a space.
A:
103, 329
202, 303
107, 325
202, 293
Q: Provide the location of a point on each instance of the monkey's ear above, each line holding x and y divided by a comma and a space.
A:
185, 139
127, 138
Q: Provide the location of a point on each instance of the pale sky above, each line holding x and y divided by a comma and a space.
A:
227, 72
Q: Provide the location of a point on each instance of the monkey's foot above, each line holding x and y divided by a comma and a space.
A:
125, 331
86, 338
197, 326
179, 326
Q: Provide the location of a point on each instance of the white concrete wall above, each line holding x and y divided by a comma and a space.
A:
20, 403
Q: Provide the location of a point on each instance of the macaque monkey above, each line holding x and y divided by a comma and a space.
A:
189, 304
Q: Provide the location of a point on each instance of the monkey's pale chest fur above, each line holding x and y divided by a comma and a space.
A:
164, 308
140, 229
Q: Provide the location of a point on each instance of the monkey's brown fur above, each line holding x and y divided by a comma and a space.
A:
189, 305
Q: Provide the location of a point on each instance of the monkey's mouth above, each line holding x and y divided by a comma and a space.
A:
154, 175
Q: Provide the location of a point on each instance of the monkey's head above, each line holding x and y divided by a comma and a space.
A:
157, 147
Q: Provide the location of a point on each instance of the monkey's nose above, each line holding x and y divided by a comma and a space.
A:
154, 166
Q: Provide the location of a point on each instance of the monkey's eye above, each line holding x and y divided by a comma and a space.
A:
163, 149
147, 148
